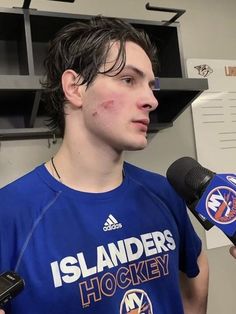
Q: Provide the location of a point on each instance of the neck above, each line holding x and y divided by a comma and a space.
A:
91, 169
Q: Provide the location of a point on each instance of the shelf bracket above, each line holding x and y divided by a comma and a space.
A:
29, 47
178, 12
26, 4
30, 121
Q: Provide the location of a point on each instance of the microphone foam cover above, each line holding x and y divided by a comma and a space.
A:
188, 177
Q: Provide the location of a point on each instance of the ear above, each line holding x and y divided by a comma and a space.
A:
71, 87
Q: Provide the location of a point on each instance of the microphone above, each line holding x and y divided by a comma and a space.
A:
210, 197
11, 284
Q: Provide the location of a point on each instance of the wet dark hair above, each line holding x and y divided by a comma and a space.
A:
84, 47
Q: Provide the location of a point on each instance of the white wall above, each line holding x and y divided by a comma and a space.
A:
208, 31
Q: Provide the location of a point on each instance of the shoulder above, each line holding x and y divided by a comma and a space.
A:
158, 186
22, 184
23, 193
153, 182
133, 170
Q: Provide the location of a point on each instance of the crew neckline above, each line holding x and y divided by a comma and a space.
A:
60, 187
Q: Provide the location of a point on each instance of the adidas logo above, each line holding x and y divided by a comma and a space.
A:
111, 224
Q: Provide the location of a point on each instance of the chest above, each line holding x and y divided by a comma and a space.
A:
93, 250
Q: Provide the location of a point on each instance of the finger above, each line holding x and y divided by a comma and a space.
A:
232, 251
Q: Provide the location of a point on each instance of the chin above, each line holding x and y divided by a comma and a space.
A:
138, 145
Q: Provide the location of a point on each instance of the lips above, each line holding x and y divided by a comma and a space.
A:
142, 124
142, 121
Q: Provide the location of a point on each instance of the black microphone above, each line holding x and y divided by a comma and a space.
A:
211, 197
11, 284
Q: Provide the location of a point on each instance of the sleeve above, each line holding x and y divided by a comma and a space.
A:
190, 247
190, 243
8, 236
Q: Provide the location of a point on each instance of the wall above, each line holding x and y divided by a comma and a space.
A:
208, 31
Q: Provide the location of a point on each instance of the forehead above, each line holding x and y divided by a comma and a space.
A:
135, 56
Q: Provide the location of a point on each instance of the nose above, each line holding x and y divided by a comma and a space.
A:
148, 101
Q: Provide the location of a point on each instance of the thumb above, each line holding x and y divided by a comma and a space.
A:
232, 251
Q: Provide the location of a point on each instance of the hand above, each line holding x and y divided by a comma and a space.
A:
232, 251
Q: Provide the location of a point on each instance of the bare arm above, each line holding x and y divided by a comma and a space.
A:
195, 290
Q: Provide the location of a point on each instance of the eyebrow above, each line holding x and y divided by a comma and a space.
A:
154, 84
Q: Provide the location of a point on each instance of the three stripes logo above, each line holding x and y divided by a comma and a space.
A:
111, 224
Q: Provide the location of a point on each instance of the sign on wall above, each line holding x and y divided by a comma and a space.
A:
214, 119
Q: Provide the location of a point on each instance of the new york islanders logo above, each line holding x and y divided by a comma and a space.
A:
221, 205
231, 179
136, 301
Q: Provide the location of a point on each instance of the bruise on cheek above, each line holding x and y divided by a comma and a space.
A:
107, 104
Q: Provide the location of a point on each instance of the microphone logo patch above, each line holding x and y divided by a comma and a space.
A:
231, 179
221, 205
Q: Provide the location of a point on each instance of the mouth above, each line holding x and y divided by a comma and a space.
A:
142, 124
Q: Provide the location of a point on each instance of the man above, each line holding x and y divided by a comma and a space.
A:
87, 231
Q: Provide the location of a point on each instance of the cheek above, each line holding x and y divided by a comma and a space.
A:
107, 114
108, 105
111, 106
105, 107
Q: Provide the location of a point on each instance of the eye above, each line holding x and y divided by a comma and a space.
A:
128, 80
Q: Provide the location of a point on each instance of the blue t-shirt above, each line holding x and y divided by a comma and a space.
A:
115, 252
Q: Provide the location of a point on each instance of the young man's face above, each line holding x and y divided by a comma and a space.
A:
116, 108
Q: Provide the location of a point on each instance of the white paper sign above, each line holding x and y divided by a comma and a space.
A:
214, 118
